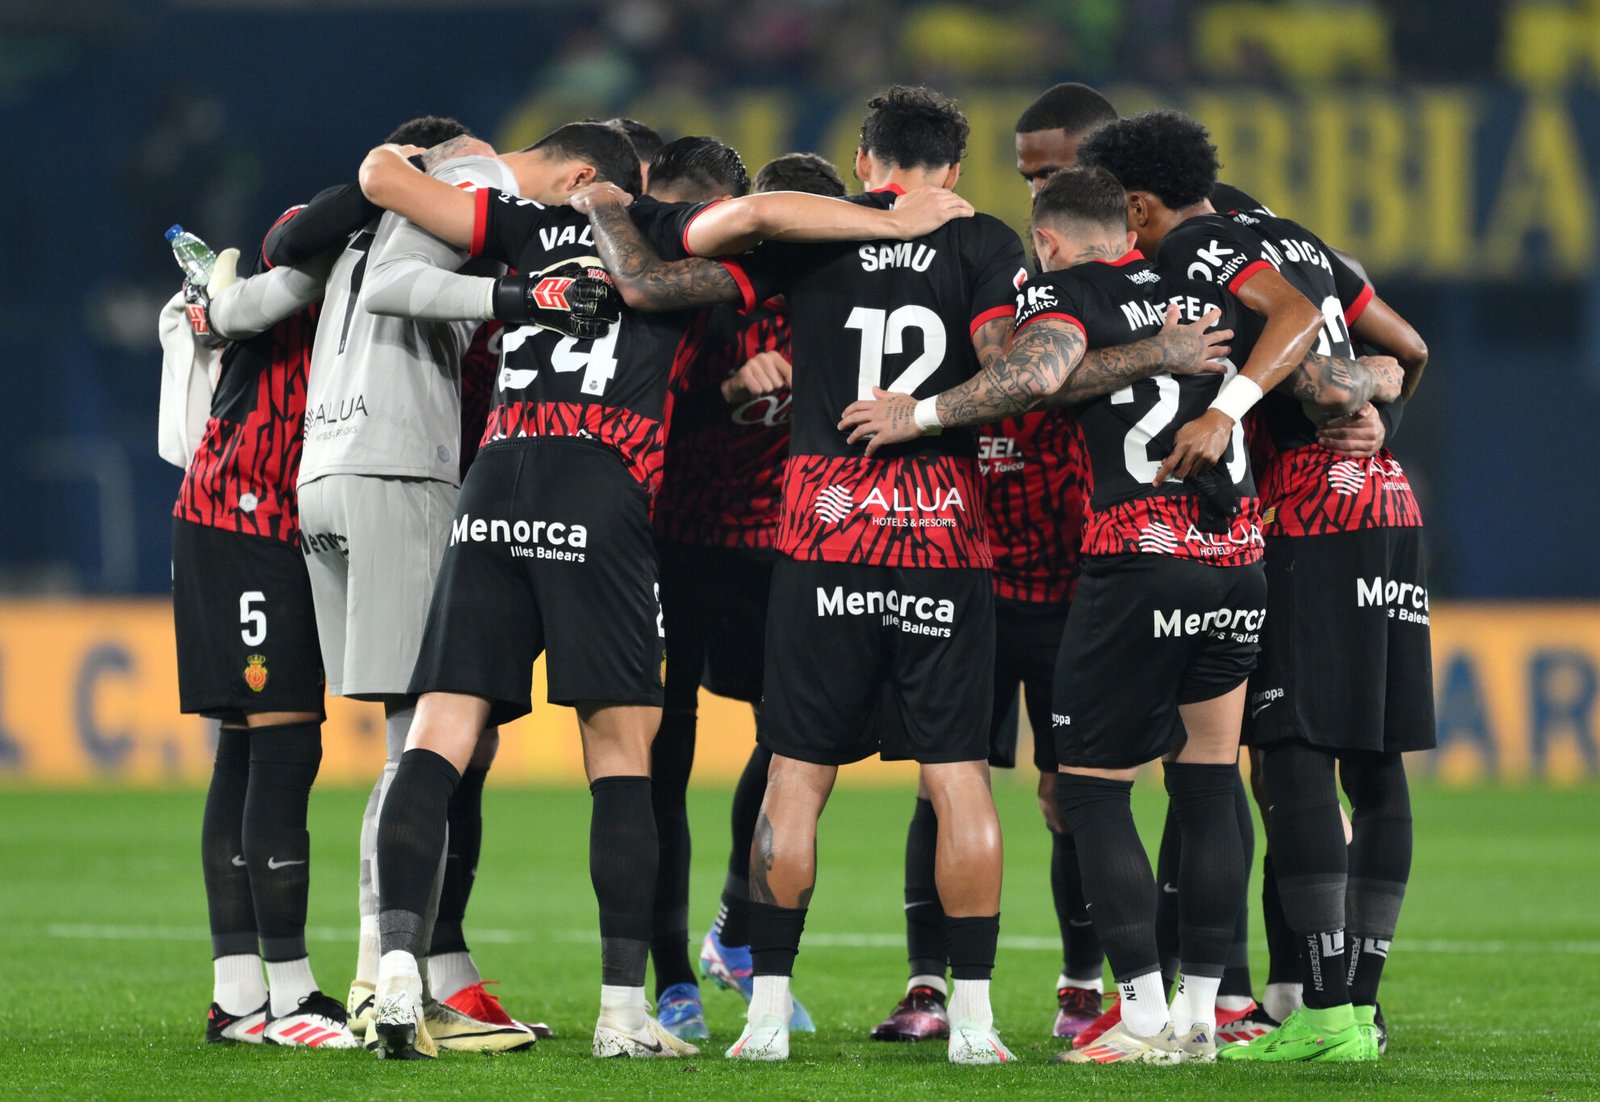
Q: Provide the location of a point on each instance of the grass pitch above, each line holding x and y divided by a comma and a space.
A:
106, 973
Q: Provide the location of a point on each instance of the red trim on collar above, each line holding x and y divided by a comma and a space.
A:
893, 189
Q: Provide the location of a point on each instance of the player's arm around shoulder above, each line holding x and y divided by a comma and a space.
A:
736, 225
644, 280
390, 180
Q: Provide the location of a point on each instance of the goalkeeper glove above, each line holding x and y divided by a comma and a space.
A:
576, 299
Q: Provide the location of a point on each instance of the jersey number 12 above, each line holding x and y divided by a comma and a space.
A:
884, 332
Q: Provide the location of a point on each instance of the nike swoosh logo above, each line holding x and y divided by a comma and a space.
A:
275, 864
920, 903
653, 1046
1169, 889
238, 862
1075, 924
1259, 708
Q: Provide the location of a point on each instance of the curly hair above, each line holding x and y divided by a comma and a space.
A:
1165, 153
914, 127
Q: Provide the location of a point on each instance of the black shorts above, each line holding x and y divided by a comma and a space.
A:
1346, 660
865, 660
550, 552
246, 626
714, 606
1027, 638
1147, 633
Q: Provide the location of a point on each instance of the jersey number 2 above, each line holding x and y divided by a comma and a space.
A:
1136, 445
884, 332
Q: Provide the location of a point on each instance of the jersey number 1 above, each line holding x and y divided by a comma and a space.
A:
884, 332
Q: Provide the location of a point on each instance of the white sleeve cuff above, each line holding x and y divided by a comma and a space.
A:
1237, 396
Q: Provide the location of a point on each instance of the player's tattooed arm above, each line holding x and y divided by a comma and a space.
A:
1041, 358
1340, 387
1188, 349
647, 282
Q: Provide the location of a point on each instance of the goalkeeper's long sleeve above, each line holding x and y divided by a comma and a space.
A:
252, 306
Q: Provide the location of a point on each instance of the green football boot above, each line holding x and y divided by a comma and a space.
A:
1330, 1034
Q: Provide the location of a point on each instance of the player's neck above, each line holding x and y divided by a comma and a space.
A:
906, 179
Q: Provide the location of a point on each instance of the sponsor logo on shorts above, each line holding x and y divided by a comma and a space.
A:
255, 672
1405, 600
324, 543
999, 455
834, 503
1242, 625
908, 612
527, 539
1266, 698
1059, 720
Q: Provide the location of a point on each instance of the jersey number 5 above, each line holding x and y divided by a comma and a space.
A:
884, 332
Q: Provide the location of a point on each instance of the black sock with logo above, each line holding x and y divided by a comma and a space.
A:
1380, 864
1081, 955
229, 907
1117, 881
1169, 858
925, 921
1236, 979
277, 848
465, 843
1308, 851
411, 839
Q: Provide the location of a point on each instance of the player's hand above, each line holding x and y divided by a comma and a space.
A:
587, 198
884, 419
1359, 436
763, 373
1193, 348
1389, 375
1197, 446
926, 209
576, 299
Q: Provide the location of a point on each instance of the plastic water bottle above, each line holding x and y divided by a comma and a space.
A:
193, 255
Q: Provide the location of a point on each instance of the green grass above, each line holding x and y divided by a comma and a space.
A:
106, 977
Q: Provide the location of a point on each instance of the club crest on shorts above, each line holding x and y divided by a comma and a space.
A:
255, 672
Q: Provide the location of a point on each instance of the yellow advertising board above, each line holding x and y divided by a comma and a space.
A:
88, 693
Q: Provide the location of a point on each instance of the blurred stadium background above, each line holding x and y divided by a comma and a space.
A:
1451, 145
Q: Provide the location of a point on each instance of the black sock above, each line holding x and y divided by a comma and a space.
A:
1283, 948
1169, 858
775, 938
1080, 948
1117, 880
925, 921
229, 907
623, 859
283, 765
1380, 864
411, 836
1211, 871
970, 944
1308, 850
671, 758
465, 842
1236, 979
733, 925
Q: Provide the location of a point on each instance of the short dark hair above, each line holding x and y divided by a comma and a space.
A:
1089, 195
800, 172
646, 142
427, 131
1075, 108
1165, 153
702, 165
604, 147
914, 127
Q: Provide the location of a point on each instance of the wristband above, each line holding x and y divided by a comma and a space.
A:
926, 415
1236, 397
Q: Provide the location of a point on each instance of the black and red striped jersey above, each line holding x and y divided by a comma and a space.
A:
1305, 489
722, 486
1036, 482
1129, 432
613, 390
243, 474
898, 315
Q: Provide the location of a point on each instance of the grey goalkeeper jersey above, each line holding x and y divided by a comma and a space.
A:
384, 393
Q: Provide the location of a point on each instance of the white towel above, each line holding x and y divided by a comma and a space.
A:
189, 373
